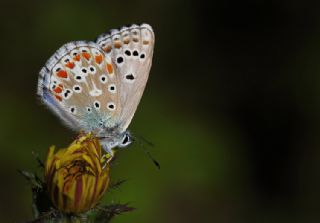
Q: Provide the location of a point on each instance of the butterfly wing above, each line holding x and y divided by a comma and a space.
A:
131, 51
79, 84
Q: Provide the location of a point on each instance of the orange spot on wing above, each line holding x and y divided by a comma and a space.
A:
58, 90
86, 55
62, 74
70, 65
107, 49
117, 45
58, 97
145, 42
109, 68
76, 57
99, 59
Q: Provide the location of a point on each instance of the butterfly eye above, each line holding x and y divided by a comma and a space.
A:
126, 141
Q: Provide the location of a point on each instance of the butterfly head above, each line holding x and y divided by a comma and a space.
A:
120, 140
126, 140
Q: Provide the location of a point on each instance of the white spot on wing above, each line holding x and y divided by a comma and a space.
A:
95, 91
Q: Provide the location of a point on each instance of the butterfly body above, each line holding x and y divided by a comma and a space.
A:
96, 86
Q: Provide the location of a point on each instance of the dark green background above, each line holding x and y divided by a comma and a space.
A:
232, 105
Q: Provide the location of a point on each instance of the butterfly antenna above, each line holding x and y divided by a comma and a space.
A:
144, 140
140, 140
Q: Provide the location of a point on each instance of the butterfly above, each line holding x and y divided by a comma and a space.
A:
97, 86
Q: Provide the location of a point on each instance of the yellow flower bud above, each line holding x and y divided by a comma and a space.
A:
77, 176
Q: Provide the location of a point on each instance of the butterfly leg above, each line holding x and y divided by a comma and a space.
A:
107, 149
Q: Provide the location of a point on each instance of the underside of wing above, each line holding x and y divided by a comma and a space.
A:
79, 84
131, 51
